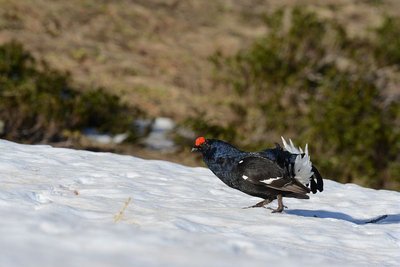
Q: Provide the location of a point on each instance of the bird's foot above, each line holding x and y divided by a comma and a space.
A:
281, 207
260, 204
277, 210
254, 206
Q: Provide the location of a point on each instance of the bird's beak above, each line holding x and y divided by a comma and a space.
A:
195, 149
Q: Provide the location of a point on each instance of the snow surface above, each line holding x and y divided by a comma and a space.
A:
62, 207
158, 138
103, 138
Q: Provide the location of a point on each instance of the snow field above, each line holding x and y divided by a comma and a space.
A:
63, 207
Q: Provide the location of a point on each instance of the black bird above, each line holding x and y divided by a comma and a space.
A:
269, 174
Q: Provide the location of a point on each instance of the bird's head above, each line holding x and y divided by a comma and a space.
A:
200, 145
208, 147
214, 150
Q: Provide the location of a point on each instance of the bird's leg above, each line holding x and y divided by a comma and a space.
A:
280, 205
259, 204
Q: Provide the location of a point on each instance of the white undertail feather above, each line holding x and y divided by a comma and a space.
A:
302, 165
290, 147
303, 169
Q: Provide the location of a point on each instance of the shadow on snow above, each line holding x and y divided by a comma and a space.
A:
382, 219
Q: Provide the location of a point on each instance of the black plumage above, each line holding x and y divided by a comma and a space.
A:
269, 174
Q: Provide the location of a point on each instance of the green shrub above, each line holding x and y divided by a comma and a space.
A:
203, 127
38, 103
355, 130
387, 49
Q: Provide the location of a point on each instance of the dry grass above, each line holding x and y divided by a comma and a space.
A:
155, 53
119, 216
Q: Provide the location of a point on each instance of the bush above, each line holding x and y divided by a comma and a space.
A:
387, 49
38, 103
360, 138
308, 80
203, 127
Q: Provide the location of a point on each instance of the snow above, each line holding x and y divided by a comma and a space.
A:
158, 138
62, 207
103, 138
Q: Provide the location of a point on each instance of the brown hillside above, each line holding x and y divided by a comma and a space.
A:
155, 52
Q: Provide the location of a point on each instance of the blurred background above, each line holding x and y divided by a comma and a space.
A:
146, 77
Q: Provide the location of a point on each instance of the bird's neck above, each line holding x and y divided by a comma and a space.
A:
222, 162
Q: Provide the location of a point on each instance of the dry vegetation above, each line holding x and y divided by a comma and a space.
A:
155, 53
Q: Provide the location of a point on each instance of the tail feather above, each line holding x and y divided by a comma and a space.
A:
319, 183
303, 168
304, 171
291, 147
313, 186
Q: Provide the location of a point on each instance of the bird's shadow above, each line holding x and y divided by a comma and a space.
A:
324, 214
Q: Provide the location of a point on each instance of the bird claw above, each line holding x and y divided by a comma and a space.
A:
259, 204
254, 206
278, 210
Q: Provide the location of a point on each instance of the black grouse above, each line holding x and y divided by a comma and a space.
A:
269, 174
